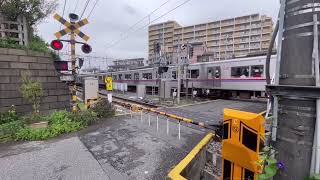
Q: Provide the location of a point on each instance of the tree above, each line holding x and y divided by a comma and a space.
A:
33, 10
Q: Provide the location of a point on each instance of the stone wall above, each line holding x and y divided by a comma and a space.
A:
15, 62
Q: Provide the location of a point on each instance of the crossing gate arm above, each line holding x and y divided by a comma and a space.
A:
175, 173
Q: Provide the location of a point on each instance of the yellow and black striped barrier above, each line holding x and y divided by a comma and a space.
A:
179, 118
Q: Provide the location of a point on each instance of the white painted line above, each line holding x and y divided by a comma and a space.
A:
205, 102
157, 122
179, 130
141, 116
149, 119
167, 125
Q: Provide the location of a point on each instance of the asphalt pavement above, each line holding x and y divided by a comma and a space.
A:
116, 149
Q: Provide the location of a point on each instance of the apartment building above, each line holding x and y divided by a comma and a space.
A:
16, 30
163, 34
126, 64
224, 39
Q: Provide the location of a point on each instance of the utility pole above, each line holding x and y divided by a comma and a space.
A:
179, 49
296, 91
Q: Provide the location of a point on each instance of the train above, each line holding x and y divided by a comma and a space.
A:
238, 78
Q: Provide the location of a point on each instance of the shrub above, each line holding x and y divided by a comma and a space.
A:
9, 116
32, 91
59, 117
104, 109
33, 134
9, 130
86, 117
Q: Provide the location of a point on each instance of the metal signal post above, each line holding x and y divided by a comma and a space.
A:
72, 27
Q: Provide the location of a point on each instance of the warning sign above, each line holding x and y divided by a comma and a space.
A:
108, 81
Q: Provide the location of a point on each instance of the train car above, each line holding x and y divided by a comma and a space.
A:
241, 77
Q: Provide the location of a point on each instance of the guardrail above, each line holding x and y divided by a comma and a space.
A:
190, 167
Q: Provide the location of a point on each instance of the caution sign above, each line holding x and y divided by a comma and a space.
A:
108, 81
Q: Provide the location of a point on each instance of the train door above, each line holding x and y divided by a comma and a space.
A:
214, 76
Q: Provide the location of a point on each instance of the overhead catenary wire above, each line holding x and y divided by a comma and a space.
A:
96, 2
85, 7
147, 16
164, 14
64, 8
75, 7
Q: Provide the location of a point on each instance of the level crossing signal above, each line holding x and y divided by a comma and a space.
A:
191, 52
56, 45
72, 27
61, 65
86, 48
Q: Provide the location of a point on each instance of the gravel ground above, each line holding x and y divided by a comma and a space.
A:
133, 150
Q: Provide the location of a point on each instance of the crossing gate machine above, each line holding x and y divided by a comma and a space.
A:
243, 138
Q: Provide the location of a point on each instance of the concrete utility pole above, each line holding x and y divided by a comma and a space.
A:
296, 91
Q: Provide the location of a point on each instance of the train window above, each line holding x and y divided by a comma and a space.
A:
147, 75
249, 139
242, 71
214, 72
136, 76
227, 168
120, 76
257, 71
194, 73
127, 76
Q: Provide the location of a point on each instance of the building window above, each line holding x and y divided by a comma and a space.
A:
127, 76
136, 76
120, 76
174, 75
114, 77
257, 71
242, 72
147, 75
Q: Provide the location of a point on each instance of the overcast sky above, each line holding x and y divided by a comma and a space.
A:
110, 19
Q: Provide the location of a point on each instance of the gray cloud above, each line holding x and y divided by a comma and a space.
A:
111, 18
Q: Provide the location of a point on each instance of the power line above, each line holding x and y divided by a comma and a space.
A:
64, 8
113, 44
76, 6
132, 26
93, 8
85, 7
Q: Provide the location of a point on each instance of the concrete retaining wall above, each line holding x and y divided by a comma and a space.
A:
15, 62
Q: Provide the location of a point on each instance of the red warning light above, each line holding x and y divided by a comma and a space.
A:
86, 48
56, 45
61, 65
